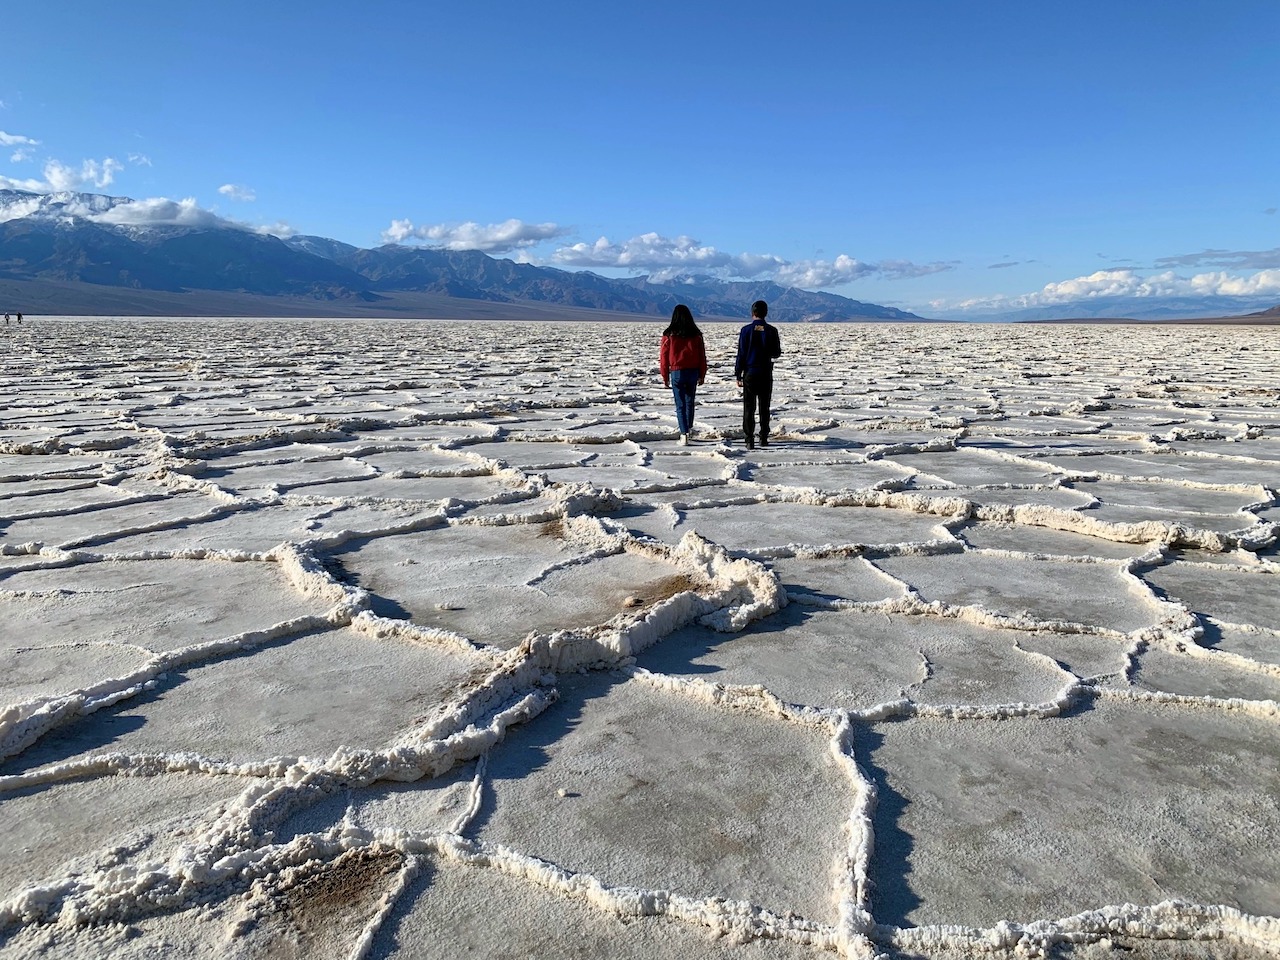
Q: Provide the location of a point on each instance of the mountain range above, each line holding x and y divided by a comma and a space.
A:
90, 254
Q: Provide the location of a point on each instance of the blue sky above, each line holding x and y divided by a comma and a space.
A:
939, 156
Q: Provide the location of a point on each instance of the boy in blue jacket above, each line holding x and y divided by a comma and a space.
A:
758, 346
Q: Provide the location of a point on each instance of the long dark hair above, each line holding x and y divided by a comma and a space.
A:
682, 324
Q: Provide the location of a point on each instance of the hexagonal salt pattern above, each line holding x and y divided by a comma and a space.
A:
403, 639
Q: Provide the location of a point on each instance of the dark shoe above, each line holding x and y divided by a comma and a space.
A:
750, 445
764, 442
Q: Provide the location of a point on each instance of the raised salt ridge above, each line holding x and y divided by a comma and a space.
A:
376, 639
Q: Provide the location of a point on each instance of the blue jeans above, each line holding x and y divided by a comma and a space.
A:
684, 384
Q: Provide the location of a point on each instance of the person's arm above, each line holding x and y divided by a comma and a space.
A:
664, 361
776, 343
742, 357
702, 361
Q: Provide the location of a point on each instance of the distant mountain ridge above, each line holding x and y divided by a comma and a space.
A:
167, 254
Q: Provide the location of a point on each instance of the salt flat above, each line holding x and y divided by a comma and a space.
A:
425, 639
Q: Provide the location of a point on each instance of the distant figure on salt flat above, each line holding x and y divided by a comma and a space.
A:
758, 346
6, 319
19, 318
682, 361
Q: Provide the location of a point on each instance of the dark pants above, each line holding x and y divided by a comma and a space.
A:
757, 390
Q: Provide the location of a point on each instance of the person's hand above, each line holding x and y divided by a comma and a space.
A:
739, 383
665, 383
702, 381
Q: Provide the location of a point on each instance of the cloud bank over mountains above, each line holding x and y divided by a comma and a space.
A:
1231, 275
1128, 284
661, 258
495, 238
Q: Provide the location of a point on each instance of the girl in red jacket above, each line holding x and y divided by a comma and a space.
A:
683, 364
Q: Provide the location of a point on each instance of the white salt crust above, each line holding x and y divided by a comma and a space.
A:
1009, 413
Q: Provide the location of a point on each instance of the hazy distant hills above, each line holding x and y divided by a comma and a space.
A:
76, 253
1139, 308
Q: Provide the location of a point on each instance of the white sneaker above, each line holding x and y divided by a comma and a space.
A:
684, 439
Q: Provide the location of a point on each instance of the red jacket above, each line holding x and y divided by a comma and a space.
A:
682, 353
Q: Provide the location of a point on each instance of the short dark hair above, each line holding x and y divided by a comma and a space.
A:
760, 309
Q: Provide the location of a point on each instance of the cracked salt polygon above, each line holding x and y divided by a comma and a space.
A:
157, 604
1175, 467
857, 659
754, 528
614, 477
299, 475
426, 489
530, 454
1061, 498
103, 821
846, 475
1117, 802
1197, 673
452, 911
1086, 655
1231, 596
90, 527
61, 501
674, 795
248, 529
60, 668
1173, 497
426, 806
823, 579
1252, 643
297, 393
424, 461
1237, 523
500, 582
1094, 594
302, 696
1042, 540
973, 468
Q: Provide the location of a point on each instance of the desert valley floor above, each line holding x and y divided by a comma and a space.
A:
426, 639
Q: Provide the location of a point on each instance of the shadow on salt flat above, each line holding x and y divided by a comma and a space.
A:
1110, 804
835, 578
303, 696
855, 660
1230, 596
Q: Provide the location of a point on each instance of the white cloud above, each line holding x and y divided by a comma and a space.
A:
237, 192
21, 155
61, 177
29, 185
277, 229
665, 257
19, 209
139, 159
652, 252
13, 140
492, 238
160, 211
1129, 283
